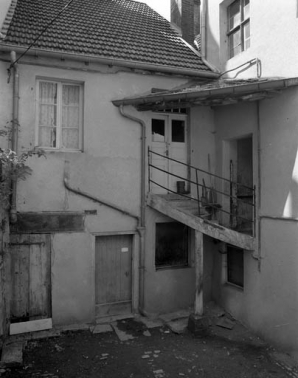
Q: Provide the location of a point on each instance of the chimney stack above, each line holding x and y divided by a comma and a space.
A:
185, 14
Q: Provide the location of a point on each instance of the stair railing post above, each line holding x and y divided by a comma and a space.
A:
198, 192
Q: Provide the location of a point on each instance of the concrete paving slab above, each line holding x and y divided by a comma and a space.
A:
102, 328
149, 323
175, 315
12, 354
178, 326
122, 335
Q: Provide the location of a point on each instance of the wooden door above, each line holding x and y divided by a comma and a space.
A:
178, 151
30, 277
169, 139
113, 278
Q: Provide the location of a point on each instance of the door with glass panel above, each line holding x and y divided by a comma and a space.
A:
168, 140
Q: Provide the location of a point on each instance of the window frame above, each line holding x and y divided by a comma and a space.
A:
240, 27
230, 265
60, 84
187, 252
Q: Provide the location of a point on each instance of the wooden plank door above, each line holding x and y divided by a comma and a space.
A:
113, 278
30, 277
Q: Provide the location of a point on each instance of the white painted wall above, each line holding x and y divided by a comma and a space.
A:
108, 168
274, 31
269, 302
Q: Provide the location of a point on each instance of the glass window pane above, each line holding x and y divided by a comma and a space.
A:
246, 9
70, 138
178, 131
158, 130
235, 43
47, 137
246, 35
235, 266
70, 95
234, 14
47, 93
171, 244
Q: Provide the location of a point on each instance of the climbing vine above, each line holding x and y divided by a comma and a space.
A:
13, 166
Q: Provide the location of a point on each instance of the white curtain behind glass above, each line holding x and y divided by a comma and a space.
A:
47, 114
70, 116
67, 98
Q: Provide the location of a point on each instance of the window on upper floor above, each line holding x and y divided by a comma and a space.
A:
59, 115
238, 26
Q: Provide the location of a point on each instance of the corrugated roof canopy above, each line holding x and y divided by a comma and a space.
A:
222, 92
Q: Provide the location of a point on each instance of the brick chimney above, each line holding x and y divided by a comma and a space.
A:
185, 14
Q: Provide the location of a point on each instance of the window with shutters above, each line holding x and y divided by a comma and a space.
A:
59, 115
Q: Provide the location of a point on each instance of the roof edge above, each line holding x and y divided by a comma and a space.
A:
238, 89
209, 65
110, 61
7, 19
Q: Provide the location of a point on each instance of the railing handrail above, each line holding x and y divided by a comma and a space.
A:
194, 199
212, 205
201, 170
206, 186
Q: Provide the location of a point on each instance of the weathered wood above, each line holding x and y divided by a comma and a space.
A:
199, 259
113, 278
215, 231
31, 276
47, 222
30, 326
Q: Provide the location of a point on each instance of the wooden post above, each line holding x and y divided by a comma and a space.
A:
199, 249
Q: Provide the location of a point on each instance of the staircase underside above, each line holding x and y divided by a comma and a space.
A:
185, 211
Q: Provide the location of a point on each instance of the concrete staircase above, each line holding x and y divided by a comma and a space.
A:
185, 210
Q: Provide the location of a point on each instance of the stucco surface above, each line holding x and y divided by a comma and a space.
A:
73, 298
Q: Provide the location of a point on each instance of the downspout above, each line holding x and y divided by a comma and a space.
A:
203, 29
258, 219
14, 134
141, 227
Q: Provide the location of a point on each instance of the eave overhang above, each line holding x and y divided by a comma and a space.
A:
130, 64
215, 94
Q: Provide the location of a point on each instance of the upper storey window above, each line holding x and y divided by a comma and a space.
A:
239, 26
59, 115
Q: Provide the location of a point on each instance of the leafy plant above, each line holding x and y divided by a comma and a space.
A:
13, 166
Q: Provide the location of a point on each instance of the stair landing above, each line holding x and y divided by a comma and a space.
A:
185, 210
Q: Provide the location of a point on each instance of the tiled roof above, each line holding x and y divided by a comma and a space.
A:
112, 29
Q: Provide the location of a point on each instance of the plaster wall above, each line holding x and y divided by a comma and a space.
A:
73, 277
108, 168
276, 49
268, 302
168, 290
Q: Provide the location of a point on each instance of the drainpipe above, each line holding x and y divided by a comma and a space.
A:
203, 29
141, 228
14, 134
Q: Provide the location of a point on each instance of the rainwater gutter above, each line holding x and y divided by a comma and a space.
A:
141, 228
14, 134
111, 62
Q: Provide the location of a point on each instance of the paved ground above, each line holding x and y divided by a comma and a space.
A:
132, 349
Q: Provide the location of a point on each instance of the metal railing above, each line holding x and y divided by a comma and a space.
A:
223, 200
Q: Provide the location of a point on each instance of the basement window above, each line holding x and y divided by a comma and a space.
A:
171, 245
235, 266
